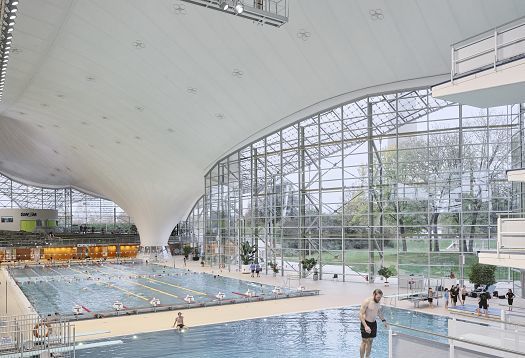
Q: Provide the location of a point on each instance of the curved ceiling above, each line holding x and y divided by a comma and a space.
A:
134, 99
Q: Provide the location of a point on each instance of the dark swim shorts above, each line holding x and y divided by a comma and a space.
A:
373, 328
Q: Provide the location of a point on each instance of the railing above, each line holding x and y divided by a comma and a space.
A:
404, 341
19, 239
270, 12
31, 336
276, 7
489, 49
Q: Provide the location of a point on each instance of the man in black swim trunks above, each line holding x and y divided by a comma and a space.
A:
370, 309
179, 321
483, 303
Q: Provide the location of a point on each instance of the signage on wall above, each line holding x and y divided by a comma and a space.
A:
28, 214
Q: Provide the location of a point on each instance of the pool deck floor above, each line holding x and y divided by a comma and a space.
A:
333, 294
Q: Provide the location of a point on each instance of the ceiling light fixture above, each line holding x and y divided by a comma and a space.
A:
224, 5
376, 14
8, 15
239, 8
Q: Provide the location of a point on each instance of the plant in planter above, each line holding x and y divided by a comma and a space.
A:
308, 265
387, 272
247, 253
186, 250
315, 276
481, 274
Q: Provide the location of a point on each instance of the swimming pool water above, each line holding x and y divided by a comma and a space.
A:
96, 287
328, 333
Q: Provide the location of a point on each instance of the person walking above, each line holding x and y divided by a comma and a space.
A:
510, 298
370, 310
446, 296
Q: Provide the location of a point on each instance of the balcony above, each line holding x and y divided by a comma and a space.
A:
488, 69
510, 249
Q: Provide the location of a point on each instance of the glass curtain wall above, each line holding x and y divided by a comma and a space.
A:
191, 231
399, 179
74, 208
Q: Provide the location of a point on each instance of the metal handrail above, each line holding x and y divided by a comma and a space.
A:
518, 20
488, 323
484, 345
494, 34
487, 51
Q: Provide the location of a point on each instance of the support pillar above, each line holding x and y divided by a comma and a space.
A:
522, 281
370, 139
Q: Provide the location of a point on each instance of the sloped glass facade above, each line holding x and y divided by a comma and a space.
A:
398, 179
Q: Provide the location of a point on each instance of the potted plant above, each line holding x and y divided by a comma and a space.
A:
481, 274
308, 265
387, 272
273, 266
186, 250
246, 254
315, 276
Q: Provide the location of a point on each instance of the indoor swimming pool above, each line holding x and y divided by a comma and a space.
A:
328, 333
92, 290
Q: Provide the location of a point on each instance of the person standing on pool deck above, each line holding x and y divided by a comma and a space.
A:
458, 293
446, 297
252, 268
463, 295
454, 295
510, 298
430, 297
368, 313
483, 303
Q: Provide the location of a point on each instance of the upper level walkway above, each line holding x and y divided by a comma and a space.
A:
487, 69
